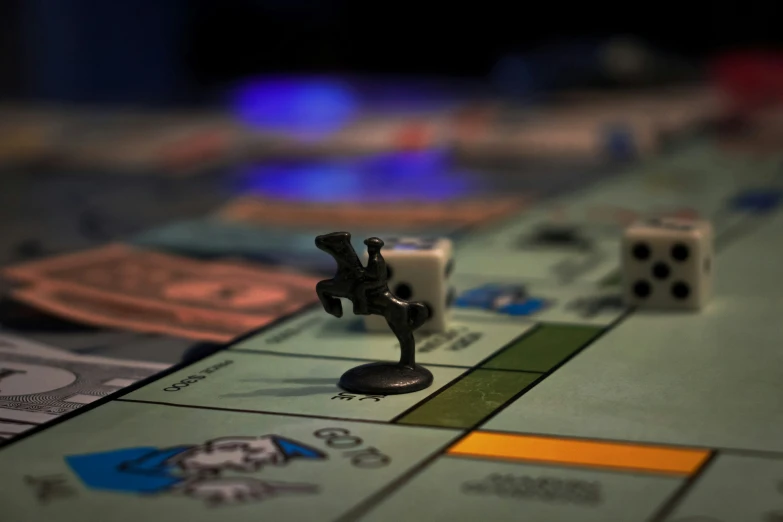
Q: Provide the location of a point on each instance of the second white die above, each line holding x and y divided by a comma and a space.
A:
418, 270
668, 263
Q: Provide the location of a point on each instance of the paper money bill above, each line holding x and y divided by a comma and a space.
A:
122, 287
38, 383
92, 307
22, 320
403, 217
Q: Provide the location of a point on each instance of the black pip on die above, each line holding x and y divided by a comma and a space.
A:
419, 270
668, 263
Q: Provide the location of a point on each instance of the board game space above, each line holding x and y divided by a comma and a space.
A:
216, 391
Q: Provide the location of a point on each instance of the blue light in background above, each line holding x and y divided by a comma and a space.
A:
295, 105
299, 181
408, 164
424, 175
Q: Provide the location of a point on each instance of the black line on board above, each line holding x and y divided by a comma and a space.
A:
459, 378
373, 500
151, 379
272, 413
364, 507
396, 419
682, 491
352, 359
474, 426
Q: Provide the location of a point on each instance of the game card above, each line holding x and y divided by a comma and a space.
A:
38, 382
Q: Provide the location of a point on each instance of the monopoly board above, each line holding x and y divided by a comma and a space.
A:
585, 410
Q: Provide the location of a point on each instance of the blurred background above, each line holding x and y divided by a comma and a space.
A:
106, 108
235, 131
186, 51
199, 86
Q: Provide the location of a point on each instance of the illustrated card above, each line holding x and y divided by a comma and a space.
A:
38, 383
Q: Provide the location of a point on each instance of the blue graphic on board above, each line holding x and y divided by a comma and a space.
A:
504, 299
196, 470
758, 201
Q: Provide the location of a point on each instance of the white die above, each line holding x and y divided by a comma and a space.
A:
668, 263
418, 270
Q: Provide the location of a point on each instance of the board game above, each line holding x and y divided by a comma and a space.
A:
568, 406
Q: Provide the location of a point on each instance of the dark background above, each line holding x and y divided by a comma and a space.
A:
176, 51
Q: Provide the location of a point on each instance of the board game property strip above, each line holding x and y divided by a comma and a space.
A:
622, 456
481, 392
470, 400
543, 349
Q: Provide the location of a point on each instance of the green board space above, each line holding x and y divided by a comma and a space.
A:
471, 399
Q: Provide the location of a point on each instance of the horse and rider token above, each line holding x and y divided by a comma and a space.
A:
367, 288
